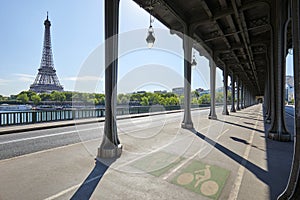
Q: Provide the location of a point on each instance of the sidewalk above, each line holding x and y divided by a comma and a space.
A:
228, 158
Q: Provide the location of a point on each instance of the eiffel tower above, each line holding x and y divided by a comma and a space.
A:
46, 80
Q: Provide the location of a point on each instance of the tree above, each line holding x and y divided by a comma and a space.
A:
194, 101
28, 93
45, 96
58, 96
23, 98
195, 94
205, 99
144, 101
219, 97
36, 99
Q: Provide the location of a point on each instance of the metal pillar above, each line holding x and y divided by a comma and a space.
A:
232, 93
268, 100
242, 96
187, 47
238, 81
278, 129
292, 190
212, 114
246, 98
110, 146
225, 82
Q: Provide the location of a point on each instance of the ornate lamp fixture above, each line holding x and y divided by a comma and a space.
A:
194, 62
150, 37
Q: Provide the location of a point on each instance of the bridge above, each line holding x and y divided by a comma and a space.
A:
249, 39
238, 152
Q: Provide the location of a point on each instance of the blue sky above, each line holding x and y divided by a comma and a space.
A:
77, 32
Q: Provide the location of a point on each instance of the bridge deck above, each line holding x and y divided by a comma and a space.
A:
228, 158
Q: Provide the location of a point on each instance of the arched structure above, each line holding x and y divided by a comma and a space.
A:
246, 38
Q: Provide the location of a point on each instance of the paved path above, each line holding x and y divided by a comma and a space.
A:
228, 158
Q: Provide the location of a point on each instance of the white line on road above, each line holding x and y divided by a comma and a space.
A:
43, 136
238, 181
63, 192
187, 160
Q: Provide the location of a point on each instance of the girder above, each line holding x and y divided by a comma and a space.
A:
233, 27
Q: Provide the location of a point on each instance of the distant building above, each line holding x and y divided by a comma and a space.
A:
178, 91
204, 92
289, 88
161, 91
141, 92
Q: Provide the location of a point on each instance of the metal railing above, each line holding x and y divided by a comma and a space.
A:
39, 116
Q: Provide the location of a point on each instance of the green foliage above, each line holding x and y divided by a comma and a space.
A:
45, 97
23, 98
194, 101
58, 96
205, 99
28, 93
292, 101
36, 99
195, 94
219, 97
144, 101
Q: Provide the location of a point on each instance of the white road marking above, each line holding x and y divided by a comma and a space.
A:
187, 160
238, 181
43, 136
222, 133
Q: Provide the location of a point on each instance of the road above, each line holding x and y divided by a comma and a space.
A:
18, 144
290, 110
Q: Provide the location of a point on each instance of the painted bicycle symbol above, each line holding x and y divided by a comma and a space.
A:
202, 176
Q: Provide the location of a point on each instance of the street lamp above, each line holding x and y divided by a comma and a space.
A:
194, 62
150, 37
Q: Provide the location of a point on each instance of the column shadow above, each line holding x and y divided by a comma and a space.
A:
279, 159
87, 188
242, 126
259, 172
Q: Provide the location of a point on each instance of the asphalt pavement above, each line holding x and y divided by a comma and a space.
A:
228, 158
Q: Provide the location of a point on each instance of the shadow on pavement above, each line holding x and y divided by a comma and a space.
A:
242, 126
279, 158
87, 188
259, 172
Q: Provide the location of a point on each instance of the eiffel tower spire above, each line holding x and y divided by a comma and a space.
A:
46, 79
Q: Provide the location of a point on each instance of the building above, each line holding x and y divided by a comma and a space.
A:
178, 91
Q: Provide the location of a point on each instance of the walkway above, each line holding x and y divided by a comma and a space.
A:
229, 158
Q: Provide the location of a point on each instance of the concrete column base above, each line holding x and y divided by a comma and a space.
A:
187, 125
114, 152
286, 137
212, 117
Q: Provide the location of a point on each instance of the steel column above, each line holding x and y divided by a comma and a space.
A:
110, 146
242, 96
187, 47
232, 93
292, 190
278, 129
225, 83
212, 114
238, 81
